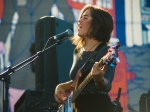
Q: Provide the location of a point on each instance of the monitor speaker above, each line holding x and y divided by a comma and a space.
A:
30, 101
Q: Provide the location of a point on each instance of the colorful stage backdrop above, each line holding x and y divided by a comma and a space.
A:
132, 28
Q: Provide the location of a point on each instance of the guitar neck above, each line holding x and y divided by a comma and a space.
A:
81, 87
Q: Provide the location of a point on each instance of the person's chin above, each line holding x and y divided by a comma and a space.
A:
79, 34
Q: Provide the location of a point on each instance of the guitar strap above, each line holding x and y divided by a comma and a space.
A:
91, 60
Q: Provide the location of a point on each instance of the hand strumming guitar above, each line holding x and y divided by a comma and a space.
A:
61, 92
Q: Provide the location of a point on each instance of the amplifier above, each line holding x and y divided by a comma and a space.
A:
144, 103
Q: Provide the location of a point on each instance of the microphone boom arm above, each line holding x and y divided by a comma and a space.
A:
5, 76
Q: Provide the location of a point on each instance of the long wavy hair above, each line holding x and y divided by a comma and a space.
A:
100, 29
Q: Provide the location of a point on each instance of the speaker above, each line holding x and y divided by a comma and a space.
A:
1, 95
52, 66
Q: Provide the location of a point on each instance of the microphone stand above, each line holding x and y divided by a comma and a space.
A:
5, 76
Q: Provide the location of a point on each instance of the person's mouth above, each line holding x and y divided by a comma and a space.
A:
79, 26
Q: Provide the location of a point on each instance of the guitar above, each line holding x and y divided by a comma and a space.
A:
77, 87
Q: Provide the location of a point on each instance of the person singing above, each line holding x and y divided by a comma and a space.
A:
95, 26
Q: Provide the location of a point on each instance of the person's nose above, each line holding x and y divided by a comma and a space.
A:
80, 20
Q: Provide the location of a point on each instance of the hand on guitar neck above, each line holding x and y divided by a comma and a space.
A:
97, 73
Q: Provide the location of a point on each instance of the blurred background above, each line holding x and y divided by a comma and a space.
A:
25, 26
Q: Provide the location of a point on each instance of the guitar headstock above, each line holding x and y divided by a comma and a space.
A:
115, 50
112, 54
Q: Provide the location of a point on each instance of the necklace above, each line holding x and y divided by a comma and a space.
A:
81, 57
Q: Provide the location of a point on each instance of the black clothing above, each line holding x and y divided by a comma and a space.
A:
94, 103
88, 102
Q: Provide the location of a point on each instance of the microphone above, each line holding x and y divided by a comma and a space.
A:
58, 38
68, 32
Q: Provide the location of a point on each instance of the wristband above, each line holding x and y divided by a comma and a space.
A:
100, 82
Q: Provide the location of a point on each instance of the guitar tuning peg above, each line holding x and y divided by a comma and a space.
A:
113, 47
118, 60
109, 50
